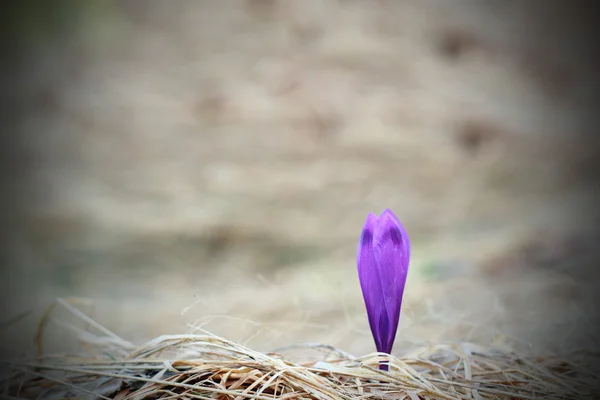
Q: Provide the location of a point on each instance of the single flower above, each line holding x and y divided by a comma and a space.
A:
383, 256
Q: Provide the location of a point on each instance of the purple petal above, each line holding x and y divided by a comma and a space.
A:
391, 249
405, 239
370, 281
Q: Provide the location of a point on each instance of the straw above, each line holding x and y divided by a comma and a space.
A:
206, 366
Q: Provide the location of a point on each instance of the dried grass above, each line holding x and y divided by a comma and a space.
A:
205, 366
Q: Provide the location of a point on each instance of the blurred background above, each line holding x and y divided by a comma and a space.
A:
184, 164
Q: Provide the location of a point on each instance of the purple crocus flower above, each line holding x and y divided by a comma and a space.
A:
382, 257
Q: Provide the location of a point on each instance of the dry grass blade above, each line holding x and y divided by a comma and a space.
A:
210, 367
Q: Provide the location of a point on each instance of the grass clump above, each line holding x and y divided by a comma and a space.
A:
205, 366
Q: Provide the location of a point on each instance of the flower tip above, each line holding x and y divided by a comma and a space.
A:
371, 219
390, 214
387, 211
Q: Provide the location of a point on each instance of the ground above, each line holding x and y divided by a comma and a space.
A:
212, 163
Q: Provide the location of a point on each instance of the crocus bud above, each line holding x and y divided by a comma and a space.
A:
382, 258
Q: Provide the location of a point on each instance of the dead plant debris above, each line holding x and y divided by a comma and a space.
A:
205, 366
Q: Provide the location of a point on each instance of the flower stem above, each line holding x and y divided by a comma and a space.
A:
383, 365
